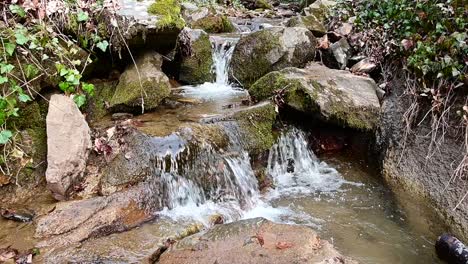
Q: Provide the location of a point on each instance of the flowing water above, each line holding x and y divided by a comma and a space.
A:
338, 196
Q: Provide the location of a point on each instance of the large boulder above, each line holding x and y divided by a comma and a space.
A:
271, 49
141, 84
334, 95
254, 241
310, 22
68, 145
195, 55
145, 24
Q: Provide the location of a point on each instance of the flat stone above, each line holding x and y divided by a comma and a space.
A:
254, 241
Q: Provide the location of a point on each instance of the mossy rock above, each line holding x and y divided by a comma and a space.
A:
319, 8
98, 105
310, 22
169, 14
214, 24
256, 126
256, 4
195, 68
335, 96
271, 49
31, 125
145, 84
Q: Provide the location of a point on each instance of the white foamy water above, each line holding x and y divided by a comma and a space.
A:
234, 192
223, 47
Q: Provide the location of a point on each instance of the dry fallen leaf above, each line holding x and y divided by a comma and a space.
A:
284, 245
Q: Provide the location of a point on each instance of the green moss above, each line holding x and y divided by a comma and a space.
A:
257, 125
128, 96
196, 69
214, 24
248, 69
168, 12
263, 4
97, 106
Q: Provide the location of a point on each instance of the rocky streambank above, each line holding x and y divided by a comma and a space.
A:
190, 122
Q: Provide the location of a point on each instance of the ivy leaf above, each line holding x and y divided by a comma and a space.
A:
21, 39
24, 98
3, 79
103, 45
18, 10
80, 100
10, 48
31, 71
64, 86
82, 16
6, 68
88, 88
5, 136
63, 72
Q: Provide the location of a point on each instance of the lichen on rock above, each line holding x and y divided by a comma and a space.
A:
336, 96
168, 12
214, 24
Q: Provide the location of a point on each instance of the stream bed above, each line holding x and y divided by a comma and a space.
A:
339, 195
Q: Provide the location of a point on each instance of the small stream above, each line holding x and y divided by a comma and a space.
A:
337, 195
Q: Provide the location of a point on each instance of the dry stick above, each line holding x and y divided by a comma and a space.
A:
142, 91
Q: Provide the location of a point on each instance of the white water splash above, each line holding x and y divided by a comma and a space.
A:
223, 47
296, 170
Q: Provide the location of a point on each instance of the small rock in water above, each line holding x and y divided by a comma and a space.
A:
290, 168
16, 216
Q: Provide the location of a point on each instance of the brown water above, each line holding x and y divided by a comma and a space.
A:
370, 223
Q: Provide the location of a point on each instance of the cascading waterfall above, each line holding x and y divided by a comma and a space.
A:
199, 183
223, 48
296, 170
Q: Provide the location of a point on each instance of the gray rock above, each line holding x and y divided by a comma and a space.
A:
254, 241
271, 49
195, 63
365, 66
75, 221
341, 52
138, 245
144, 82
309, 22
335, 96
68, 145
319, 8
142, 29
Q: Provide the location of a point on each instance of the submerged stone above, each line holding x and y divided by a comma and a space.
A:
254, 241
143, 84
271, 49
336, 96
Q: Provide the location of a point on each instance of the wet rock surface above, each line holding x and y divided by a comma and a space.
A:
68, 144
253, 241
139, 245
195, 56
76, 221
338, 96
271, 49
